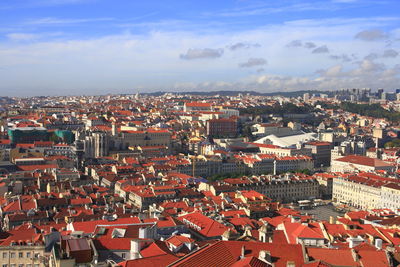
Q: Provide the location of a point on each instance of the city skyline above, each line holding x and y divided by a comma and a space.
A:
72, 47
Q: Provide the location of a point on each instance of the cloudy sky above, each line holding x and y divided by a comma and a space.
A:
69, 47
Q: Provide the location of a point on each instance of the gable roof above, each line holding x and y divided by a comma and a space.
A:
226, 253
340, 257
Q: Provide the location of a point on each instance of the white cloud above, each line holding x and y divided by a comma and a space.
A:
371, 35
59, 21
22, 36
127, 61
252, 62
390, 53
195, 53
241, 45
321, 50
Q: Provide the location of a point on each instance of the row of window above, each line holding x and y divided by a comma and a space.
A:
13, 255
20, 265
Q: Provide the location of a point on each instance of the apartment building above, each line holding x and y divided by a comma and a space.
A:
149, 137
390, 196
321, 153
366, 191
353, 163
282, 189
221, 127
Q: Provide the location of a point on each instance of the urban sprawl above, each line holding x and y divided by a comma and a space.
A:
293, 179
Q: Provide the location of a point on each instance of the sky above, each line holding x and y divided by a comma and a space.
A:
77, 47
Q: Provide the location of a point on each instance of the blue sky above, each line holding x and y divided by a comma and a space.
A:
69, 47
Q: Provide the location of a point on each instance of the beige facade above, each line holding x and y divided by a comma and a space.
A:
285, 190
284, 152
22, 256
146, 138
390, 196
356, 194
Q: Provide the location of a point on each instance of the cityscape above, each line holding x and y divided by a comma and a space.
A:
199, 133
167, 179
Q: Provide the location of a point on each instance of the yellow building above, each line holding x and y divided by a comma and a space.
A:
357, 191
27, 255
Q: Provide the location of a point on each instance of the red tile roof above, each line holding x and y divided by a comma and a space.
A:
226, 253
155, 261
297, 230
90, 226
250, 262
370, 258
178, 240
203, 224
197, 104
362, 160
340, 257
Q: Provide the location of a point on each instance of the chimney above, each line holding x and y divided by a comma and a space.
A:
378, 243
265, 256
135, 249
290, 264
243, 252
114, 129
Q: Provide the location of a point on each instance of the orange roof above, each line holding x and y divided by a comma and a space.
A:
340, 257
5, 141
90, 226
197, 104
203, 224
362, 160
227, 253
154, 261
178, 240
37, 167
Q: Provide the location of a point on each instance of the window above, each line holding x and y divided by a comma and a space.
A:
12, 255
123, 255
28, 254
5, 254
20, 254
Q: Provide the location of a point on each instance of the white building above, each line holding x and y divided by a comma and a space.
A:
353, 163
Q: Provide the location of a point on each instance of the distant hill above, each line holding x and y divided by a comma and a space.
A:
234, 93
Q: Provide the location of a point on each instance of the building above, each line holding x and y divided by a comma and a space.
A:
366, 191
149, 137
390, 196
221, 127
203, 227
28, 134
321, 153
197, 106
282, 151
281, 189
347, 148
354, 163
23, 248
97, 145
